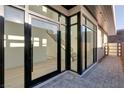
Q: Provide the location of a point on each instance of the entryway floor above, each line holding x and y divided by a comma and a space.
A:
106, 74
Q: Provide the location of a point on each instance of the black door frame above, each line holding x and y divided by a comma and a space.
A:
68, 45
29, 61
27, 54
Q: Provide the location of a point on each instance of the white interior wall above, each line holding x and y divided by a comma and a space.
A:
100, 48
42, 53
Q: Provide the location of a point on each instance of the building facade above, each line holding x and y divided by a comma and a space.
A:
39, 42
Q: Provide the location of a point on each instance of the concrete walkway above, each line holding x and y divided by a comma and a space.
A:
106, 74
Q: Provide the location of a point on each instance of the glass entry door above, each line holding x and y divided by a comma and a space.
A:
43, 47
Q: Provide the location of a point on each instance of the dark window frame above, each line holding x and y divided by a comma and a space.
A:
27, 54
94, 40
31, 83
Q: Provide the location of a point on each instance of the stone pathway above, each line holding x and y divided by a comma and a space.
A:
106, 74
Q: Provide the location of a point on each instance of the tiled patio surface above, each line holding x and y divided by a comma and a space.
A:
106, 74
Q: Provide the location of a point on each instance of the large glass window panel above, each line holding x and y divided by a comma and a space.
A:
89, 47
44, 45
14, 47
90, 25
63, 29
74, 47
83, 46
14, 15
74, 19
63, 19
94, 27
83, 20
43, 10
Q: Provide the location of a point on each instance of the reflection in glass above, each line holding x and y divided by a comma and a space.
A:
83, 47
63, 29
74, 19
43, 10
74, 47
63, 19
89, 47
90, 25
14, 47
45, 54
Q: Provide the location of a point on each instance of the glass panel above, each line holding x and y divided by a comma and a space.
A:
13, 14
89, 47
14, 47
44, 45
95, 28
62, 29
74, 19
90, 25
83, 46
45, 25
74, 47
83, 20
63, 20
43, 10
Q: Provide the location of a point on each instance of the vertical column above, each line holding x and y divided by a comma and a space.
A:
59, 51
27, 34
79, 49
59, 46
68, 45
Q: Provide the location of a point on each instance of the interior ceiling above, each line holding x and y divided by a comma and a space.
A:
105, 17
68, 6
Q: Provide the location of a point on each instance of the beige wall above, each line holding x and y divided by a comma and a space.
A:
100, 48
